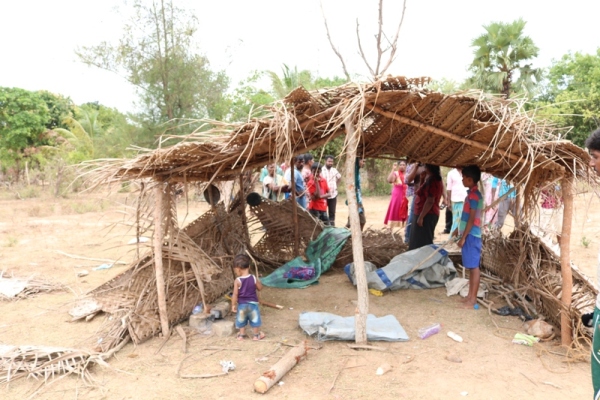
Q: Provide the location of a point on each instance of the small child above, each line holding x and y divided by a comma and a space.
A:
245, 298
318, 191
469, 231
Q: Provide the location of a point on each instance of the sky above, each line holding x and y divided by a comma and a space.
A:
38, 38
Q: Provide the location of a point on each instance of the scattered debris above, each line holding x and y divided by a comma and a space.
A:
141, 239
539, 328
103, 266
455, 358
20, 288
455, 337
82, 273
383, 369
227, 365
527, 340
552, 384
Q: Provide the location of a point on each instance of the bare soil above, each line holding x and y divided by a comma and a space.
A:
33, 230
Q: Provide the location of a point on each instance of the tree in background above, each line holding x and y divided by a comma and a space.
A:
157, 55
501, 62
571, 96
23, 119
59, 107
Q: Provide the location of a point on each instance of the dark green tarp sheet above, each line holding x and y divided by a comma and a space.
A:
320, 253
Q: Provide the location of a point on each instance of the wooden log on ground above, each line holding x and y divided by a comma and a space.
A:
279, 369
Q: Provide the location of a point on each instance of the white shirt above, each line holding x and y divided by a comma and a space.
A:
331, 176
455, 186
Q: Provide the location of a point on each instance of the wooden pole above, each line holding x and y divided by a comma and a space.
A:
566, 331
294, 209
158, 258
279, 369
360, 315
243, 207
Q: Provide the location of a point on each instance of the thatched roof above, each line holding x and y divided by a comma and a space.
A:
398, 118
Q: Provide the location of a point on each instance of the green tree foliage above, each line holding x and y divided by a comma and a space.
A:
292, 78
571, 96
157, 55
23, 119
446, 86
59, 107
248, 100
501, 62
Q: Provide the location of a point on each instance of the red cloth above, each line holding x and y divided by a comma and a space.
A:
318, 204
431, 188
398, 208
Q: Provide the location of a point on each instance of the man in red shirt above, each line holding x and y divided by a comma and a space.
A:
318, 193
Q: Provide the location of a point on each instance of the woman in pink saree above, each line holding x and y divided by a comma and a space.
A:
397, 212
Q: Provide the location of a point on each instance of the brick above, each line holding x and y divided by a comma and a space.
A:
222, 328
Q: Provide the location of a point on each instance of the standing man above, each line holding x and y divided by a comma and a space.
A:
298, 182
359, 163
593, 145
332, 177
508, 204
456, 193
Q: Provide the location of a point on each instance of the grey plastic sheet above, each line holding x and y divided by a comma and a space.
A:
329, 326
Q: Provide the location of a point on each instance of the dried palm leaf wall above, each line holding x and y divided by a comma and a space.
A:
525, 262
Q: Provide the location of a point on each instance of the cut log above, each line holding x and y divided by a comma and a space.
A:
279, 369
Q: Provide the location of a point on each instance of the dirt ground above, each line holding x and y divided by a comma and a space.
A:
33, 231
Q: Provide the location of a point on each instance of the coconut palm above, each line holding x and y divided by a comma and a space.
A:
501, 59
292, 78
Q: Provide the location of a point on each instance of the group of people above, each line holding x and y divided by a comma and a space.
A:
315, 186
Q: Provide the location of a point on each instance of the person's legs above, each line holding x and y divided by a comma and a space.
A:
474, 280
471, 257
331, 206
503, 208
256, 322
448, 227
409, 222
456, 214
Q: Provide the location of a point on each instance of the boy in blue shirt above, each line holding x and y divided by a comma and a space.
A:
469, 231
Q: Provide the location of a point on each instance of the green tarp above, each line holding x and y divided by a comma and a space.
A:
320, 253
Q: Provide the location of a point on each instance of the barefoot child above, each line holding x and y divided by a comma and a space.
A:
245, 298
469, 231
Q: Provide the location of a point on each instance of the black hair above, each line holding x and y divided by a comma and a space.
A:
241, 261
308, 157
315, 166
299, 157
435, 171
473, 172
328, 156
593, 141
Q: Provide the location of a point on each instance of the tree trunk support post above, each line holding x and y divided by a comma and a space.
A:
360, 315
159, 195
566, 331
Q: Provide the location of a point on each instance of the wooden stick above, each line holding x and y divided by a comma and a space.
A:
566, 331
181, 332
338, 375
91, 259
279, 369
158, 261
272, 305
362, 309
366, 347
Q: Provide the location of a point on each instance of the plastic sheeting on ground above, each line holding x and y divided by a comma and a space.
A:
432, 270
321, 254
334, 327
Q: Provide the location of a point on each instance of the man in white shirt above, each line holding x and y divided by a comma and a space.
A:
332, 176
456, 193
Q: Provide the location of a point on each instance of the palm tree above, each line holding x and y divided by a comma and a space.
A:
290, 81
501, 56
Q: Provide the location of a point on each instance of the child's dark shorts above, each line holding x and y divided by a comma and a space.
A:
471, 252
247, 312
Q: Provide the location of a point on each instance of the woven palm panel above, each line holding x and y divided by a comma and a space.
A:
523, 261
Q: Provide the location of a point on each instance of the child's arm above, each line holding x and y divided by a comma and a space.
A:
470, 224
234, 298
259, 285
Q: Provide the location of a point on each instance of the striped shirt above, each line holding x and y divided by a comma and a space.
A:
473, 203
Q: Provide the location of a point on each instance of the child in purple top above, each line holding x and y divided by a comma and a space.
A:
245, 298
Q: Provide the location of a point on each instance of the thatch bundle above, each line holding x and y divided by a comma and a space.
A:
523, 261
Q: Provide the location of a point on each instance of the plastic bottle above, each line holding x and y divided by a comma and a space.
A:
430, 330
198, 309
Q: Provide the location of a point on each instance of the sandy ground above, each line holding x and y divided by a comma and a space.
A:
32, 232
